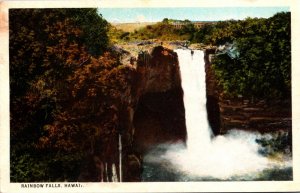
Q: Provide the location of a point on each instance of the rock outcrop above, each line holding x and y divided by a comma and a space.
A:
150, 112
212, 94
159, 113
155, 113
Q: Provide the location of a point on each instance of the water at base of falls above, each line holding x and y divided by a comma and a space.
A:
157, 167
234, 156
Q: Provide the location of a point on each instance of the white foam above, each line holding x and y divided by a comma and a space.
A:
234, 154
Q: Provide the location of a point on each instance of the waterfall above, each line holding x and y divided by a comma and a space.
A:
106, 172
224, 156
193, 83
233, 156
120, 157
114, 177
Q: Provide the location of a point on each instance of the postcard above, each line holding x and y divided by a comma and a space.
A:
149, 96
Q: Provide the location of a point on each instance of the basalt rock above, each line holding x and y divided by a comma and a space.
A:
151, 113
159, 113
212, 93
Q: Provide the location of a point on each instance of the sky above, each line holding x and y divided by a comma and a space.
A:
127, 15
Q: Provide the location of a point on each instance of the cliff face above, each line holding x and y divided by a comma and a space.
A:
260, 115
242, 113
157, 71
159, 113
212, 94
155, 113
151, 113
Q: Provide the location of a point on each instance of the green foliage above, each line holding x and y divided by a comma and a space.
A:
162, 30
39, 166
116, 35
203, 34
94, 28
279, 143
277, 174
263, 68
20, 171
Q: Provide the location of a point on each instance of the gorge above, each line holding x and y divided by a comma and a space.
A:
156, 124
234, 156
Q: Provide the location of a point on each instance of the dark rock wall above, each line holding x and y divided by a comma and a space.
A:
257, 115
154, 112
159, 115
212, 94
159, 119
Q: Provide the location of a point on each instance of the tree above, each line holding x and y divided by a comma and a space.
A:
253, 74
165, 20
51, 52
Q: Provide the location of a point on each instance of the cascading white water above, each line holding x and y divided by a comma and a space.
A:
234, 154
193, 82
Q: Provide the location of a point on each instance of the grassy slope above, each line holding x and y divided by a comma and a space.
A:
130, 27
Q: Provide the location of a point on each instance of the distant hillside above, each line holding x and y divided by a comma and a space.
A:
130, 27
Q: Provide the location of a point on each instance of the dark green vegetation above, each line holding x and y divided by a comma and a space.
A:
262, 68
279, 143
63, 85
163, 31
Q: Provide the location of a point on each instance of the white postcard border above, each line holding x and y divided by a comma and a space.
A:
252, 186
